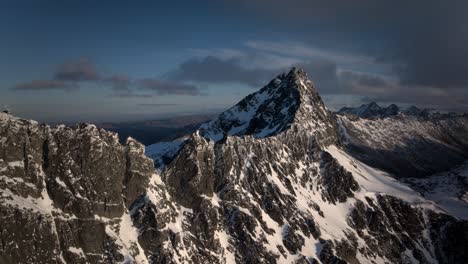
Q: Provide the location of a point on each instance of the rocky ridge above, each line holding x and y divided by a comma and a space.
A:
65, 193
374, 111
407, 145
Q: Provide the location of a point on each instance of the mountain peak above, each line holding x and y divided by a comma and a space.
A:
297, 73
289, 100
372, 105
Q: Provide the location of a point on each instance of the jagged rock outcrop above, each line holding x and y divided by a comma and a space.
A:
64, 190
266, 182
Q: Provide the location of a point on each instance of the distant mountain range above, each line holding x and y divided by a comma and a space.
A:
277, 178
373, 110
152, 131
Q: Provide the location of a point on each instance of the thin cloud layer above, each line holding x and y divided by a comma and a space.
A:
422, 44
71, 74
332, 72
238, 67
75, 71
217, 70
162, 87
119, 82
36, 85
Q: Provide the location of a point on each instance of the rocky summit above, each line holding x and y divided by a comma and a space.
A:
277, 178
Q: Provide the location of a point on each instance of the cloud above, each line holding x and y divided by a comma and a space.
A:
163, 87
425, 41
130, 94
249, 59
156, 104
262, 61
362, 83
304, 51
323, 73
216, 70
67, 76
430, 97
379, 89
124, 86
71, 74
407, 51
119, 82
37, 85
343, 85
250, 68
80, 70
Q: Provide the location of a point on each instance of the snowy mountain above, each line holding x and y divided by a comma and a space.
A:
371, 110
271, 180
406, 145
449, 189
288, 102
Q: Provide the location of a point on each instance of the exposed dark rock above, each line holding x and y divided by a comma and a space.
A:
62, 189
338, 184
450, 236
292, 241
138, 168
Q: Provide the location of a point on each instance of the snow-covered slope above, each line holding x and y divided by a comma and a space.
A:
448, 189
407, 146
163, 152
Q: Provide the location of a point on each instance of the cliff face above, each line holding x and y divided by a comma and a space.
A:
266, 182
65, 192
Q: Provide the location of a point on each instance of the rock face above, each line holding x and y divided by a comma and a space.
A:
268, 181
65, 192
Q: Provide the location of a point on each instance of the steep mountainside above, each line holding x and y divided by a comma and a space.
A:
407, 145
268, 181
286, 103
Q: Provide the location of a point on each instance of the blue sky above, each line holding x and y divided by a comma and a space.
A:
134, 60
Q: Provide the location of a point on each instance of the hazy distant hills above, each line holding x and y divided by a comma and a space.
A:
152, 131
